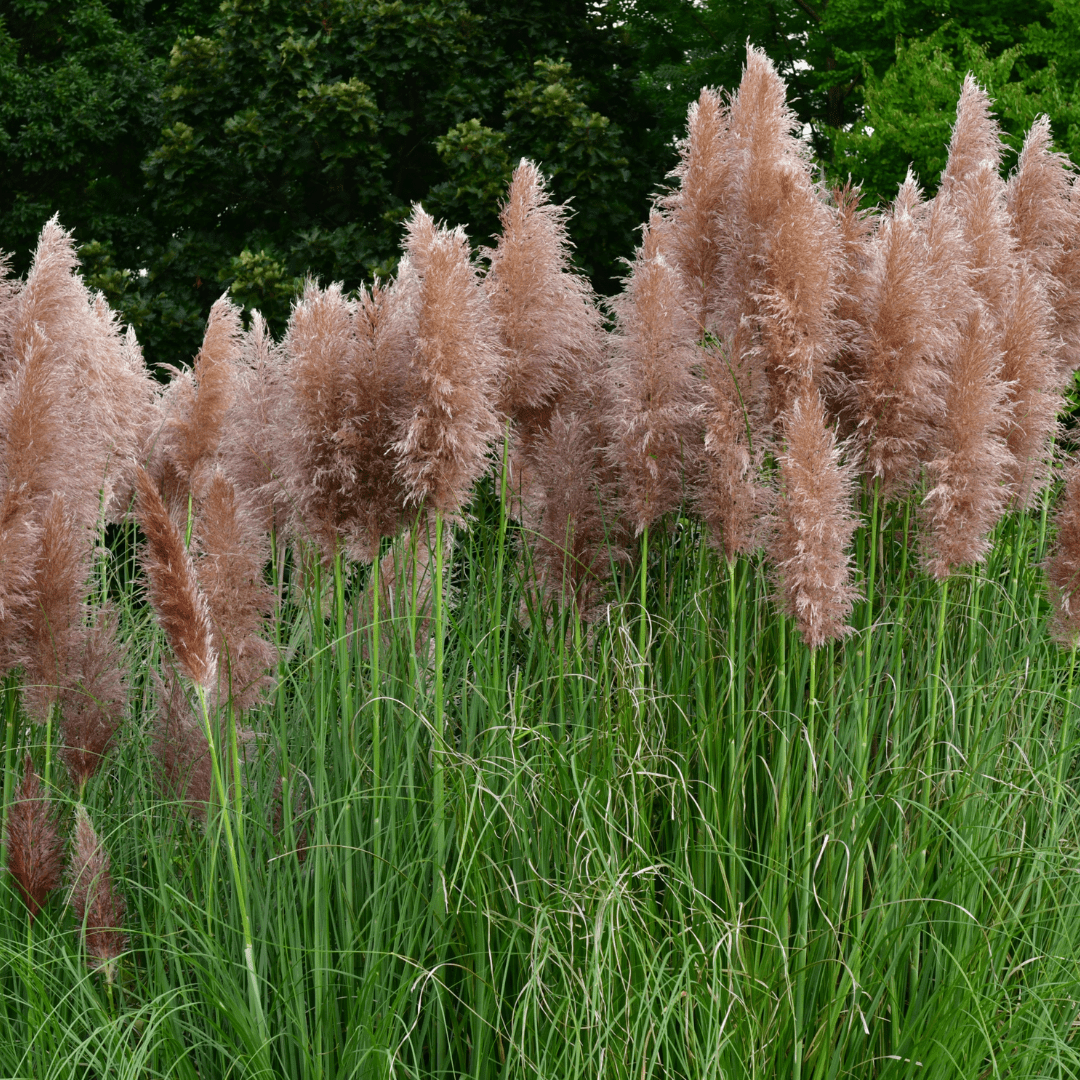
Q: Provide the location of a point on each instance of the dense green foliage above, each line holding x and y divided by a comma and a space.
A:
197, 146
722, 858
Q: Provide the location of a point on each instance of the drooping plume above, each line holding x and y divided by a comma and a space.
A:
230, 572
347, 385
1063, 565
173, 586
93, 704
180, 747
98, 905
695, 208
445, 442
34, 847
653, 385
970, 459
815, 522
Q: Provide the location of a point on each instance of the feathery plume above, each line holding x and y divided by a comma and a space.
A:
35, 850
256, 427
102, 388
444, 442
173, 586
653, 384
1029, 372
230, 572
782, 252
347, 385
694, 210
1062, 568
55, 608
908, 298
729, 496
180, 747
814, 526
93, 704
98, 906
543, 312
195, 405
577, 537
967, 472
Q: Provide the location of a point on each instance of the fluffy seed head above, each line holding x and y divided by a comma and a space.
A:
35, 850
97, 904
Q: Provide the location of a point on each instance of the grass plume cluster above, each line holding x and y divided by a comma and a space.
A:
483, 682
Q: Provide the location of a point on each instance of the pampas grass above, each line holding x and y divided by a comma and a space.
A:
436, 823
34, 847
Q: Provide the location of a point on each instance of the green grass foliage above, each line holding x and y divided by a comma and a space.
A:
722, 857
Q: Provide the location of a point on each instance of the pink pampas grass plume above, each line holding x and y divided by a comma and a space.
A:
543, 313
256, 430
814, 526
232, 553
173, 586
970, 460
729, 494
35, 850
695, 208
1062, 567
195, 405
782, 248
653, 386
347, 386
906, 327
577, 538
93, 704
55, 609
445, 442
98, 906
180, 747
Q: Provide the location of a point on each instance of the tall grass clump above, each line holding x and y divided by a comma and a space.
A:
482, 682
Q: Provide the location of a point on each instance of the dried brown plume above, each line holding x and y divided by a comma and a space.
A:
173, 586
98, 905
653, 386
970, 462
93, 703
445, 442
232, 553
35, 850
814, 525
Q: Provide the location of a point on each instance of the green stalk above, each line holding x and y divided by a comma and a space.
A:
376, 734
438, 809
234, 863
807, 884
644, 579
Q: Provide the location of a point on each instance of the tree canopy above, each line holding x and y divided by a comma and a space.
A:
196, 146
